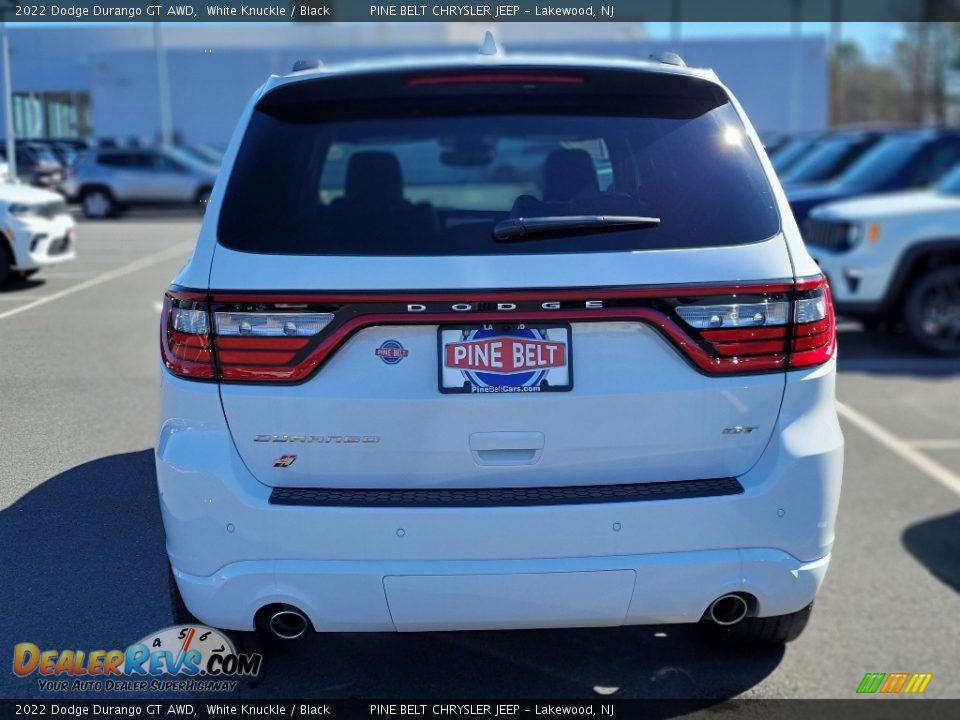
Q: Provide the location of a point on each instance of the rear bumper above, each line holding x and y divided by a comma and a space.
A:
359, 596
371, 568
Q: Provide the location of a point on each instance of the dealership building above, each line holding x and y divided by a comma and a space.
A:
100, 80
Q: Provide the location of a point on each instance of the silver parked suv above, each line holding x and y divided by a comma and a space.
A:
107, 180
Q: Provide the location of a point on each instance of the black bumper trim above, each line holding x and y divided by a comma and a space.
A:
505, 497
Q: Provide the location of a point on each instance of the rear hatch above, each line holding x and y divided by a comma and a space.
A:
524, 276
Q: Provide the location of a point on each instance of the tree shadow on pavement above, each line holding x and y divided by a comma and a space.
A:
936, 544
84, 568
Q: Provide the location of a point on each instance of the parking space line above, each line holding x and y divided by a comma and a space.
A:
119, 272
921, 462
20, 298
934, 444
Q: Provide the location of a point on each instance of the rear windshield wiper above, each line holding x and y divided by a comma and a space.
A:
535, 228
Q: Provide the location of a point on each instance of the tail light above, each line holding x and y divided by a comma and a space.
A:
238, 344
814, 325
740, 329
185, 336
263, 345
779, 331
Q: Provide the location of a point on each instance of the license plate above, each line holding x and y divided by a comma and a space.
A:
505, 358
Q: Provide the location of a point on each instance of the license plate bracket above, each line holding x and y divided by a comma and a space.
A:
496, 358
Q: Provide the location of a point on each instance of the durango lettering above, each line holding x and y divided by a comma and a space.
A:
120, 12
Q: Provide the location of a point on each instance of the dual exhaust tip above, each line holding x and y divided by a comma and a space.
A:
729, 609
287, 623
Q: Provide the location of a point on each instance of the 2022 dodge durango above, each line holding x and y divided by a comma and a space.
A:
498, 342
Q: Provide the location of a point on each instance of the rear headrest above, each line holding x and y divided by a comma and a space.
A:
568, 174
374, 175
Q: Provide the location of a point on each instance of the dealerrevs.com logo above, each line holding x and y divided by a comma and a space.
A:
188, 658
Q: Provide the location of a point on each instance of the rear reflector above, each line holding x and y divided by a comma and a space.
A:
733, 329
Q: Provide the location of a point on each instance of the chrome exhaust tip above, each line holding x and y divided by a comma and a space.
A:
288, 623
728, 609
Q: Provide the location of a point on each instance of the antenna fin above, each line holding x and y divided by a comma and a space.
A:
489, 45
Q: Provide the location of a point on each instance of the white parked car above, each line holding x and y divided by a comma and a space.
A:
409, 386
35, 230
896, 258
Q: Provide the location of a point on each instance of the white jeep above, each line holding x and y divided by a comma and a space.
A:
896, 258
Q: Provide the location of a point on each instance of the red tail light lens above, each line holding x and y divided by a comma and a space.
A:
774, 332
185, 336
747, 334
197, 342
814, 329
264, 345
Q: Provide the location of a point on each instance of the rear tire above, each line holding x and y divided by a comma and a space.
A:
931, 312
98, 204
759, 631
6, 260
25, 274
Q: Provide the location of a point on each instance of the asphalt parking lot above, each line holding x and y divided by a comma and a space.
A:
84, 567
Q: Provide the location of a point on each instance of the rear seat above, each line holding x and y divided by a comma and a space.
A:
373, 203
571, 187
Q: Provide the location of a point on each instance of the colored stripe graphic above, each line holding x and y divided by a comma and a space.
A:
918, 682
871, 682
893, 683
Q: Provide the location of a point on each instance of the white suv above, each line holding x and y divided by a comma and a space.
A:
36, 230
498, 342
896, 258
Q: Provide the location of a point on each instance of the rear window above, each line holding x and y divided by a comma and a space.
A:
433, 175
